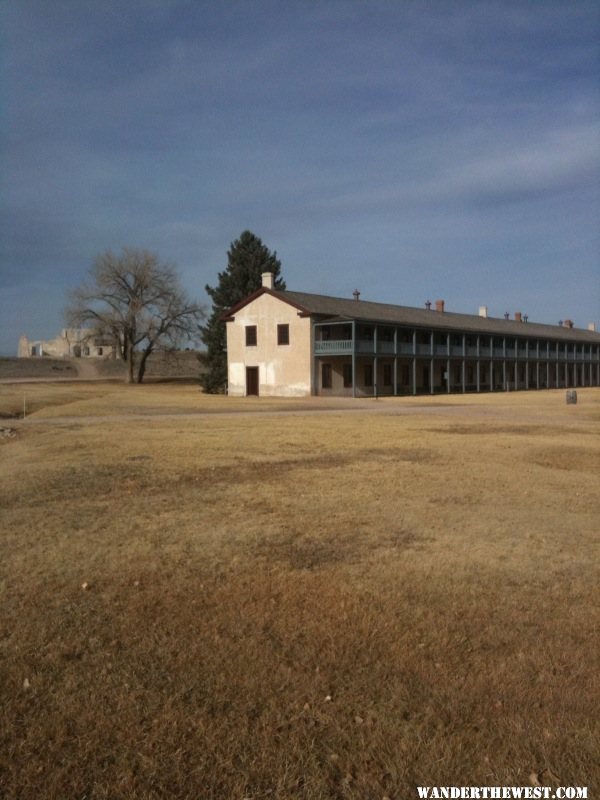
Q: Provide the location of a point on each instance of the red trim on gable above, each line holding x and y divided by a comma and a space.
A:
229, 315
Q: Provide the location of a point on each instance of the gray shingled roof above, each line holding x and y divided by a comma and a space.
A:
362, 310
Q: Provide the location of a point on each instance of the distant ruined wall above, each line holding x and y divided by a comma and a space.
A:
70, 343
24, 349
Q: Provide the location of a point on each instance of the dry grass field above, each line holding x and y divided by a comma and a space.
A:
208, 598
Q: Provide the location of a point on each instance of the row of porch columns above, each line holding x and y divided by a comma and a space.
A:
579, 376
532, 355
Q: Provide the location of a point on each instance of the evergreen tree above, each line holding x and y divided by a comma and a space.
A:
247, 259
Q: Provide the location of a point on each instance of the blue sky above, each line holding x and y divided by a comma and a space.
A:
413, 150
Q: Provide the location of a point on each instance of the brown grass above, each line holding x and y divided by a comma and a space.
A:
177, 365
431, 567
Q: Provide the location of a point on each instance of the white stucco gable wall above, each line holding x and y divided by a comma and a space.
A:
284, 370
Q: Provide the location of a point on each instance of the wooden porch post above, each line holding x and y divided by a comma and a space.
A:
431, 366
414, 364
478, 364
375, 362
353, 358
464, 363
395, 361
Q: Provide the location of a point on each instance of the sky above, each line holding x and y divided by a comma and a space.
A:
414, 150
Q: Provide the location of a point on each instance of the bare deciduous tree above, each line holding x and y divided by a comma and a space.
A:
138, 303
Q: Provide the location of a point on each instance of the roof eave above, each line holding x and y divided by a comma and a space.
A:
229, 315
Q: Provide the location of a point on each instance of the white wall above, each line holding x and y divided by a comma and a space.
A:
284, 370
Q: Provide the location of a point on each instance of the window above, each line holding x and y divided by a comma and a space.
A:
99, 351
347, 375
387, 374
368, 375
405, 375
326, 376
251, 336
283, 334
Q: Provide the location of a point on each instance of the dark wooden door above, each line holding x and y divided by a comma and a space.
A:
252, 381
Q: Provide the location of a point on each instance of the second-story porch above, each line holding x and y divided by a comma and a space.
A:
432, 361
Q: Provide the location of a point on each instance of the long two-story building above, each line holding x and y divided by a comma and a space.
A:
283, 343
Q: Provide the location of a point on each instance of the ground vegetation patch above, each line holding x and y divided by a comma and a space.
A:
335, 605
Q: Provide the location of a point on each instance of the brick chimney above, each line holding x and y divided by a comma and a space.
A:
267, 280
518, 316
568, 323
439, 306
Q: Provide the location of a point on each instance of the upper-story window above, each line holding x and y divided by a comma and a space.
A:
283, 334
251, 336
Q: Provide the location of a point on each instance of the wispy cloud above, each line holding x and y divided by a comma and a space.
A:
399, 145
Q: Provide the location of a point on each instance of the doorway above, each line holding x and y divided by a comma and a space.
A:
251, 381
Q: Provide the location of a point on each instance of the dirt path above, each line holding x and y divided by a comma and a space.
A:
87, 370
